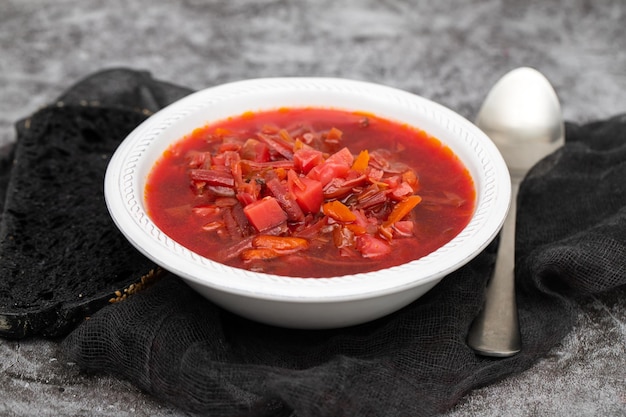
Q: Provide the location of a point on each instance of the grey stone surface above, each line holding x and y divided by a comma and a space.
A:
448, 51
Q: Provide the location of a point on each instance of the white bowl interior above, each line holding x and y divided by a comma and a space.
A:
132, 162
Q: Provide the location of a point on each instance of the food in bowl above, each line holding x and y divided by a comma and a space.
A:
340, 300
310, 192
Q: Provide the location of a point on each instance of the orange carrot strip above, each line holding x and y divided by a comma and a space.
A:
280, 243
256, 254
401, 209
338, 211
361, 161
356, 229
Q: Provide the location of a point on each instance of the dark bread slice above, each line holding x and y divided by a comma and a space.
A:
60, 252
61, 256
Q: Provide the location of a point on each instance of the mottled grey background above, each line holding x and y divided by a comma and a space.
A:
448, 51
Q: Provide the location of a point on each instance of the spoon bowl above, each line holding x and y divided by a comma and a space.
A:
522, 116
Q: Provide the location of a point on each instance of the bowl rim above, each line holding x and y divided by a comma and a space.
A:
124, 192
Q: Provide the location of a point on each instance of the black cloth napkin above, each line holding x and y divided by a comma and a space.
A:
181, 348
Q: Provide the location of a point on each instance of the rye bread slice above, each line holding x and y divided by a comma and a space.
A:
61, 256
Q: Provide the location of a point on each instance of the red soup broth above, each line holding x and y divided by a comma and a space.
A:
310, 192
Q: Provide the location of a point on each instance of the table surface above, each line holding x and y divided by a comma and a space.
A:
448, 51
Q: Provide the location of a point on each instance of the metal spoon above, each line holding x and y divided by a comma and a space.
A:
522, 115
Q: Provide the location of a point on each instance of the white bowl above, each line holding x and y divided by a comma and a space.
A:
306, 302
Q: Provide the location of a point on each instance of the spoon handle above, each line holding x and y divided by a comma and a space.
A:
495, 331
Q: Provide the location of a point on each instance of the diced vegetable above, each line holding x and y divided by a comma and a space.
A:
402, 209
403, 228
265, 213
372, 247
310, 196
338, 211
280, 243
306, 159
286, 199
344, 156
361, 162
326, 171
262, 253
334, 135
313, 184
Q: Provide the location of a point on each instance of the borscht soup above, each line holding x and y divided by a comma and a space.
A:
310, 192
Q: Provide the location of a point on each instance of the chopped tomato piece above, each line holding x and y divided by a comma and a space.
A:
286, 199
327, 171
342, 156
305, 159
403, 228
371, 246
401, 191
393, 181
245, 197
265, 214
310, 196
